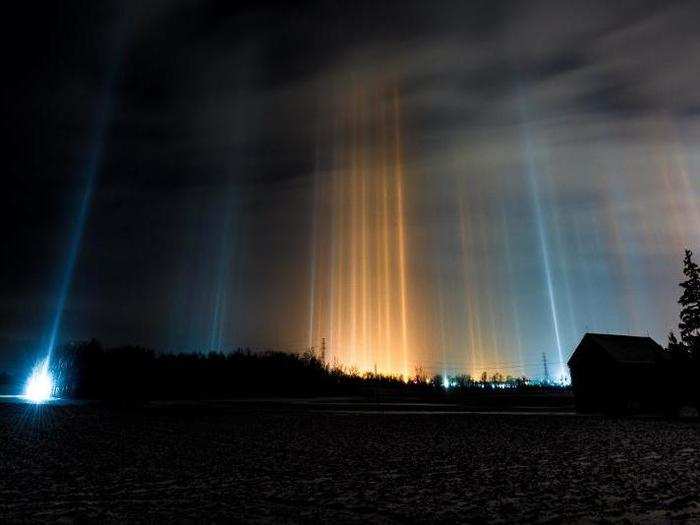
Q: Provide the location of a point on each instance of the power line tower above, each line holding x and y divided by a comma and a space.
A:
323, 350
545, 368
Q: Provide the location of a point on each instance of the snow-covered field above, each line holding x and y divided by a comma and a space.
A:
293, 463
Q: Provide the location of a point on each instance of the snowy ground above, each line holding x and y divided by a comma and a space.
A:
272, 463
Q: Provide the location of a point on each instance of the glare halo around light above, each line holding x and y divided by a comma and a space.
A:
40, 385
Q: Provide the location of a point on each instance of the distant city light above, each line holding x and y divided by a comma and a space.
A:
40, 385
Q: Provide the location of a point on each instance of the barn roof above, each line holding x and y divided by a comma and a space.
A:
625, 348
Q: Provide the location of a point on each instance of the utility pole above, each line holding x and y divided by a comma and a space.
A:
323, 350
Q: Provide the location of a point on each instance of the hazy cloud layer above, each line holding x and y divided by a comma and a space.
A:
219, 108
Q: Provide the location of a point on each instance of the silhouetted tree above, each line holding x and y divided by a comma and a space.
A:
674, 346
420, 376
689, 325
682, 373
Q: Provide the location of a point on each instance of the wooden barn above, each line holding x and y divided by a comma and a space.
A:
617, 373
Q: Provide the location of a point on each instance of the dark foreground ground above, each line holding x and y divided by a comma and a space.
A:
307, 462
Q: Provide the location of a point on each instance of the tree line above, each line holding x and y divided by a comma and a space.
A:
88, 370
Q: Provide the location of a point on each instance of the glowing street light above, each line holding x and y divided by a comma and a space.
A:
40, 385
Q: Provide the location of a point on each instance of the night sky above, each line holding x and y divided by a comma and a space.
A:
459, 187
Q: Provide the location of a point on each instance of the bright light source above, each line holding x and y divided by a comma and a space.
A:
39, 387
